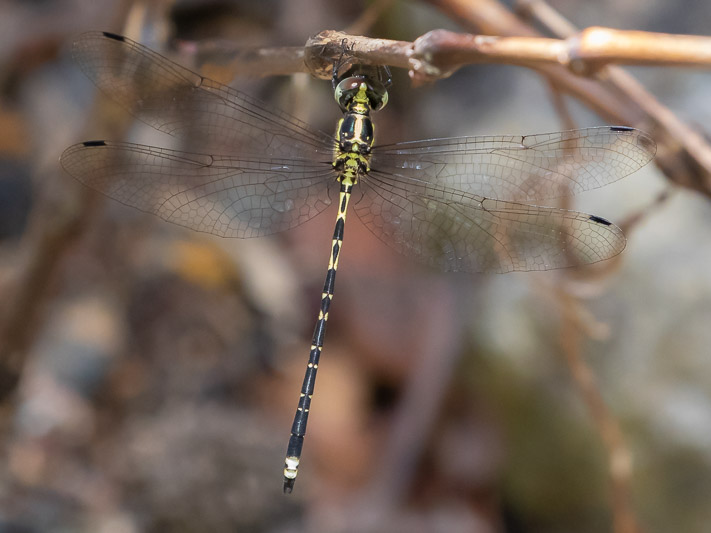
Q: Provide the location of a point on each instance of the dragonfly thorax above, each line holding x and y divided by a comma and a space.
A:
355, 133
356, 95
354, 142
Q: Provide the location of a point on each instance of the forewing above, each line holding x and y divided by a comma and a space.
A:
521, 168
458, 231
213, 118
219, 195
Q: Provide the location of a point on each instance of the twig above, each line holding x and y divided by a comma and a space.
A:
433, 368
561, 108
653, 206
540, 11
327, 47
439, 53
369, 16
222, 61
619, 458
25, 300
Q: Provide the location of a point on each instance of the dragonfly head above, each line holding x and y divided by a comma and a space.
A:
364, 85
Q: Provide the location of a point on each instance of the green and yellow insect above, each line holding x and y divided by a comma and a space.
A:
455, 204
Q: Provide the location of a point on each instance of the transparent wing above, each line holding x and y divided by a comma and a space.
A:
521, 168
458, 231
224, 196
212, 117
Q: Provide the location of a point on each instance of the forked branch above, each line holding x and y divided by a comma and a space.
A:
440, 53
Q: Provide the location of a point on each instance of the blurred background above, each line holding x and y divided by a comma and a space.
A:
149, 374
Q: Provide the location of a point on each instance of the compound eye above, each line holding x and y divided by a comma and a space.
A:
349, 87
378, 100
377, 94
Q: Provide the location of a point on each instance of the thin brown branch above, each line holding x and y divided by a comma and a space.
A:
26, 298
369, 16
619, 458
327, 47
416, 414
561, 108
439, 53
636, 218
540, 11
222, 61
596, 47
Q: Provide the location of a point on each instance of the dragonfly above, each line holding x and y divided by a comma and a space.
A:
468, 204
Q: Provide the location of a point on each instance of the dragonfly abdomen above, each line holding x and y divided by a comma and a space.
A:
298, 428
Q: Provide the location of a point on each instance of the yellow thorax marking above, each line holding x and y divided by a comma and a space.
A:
360, 101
